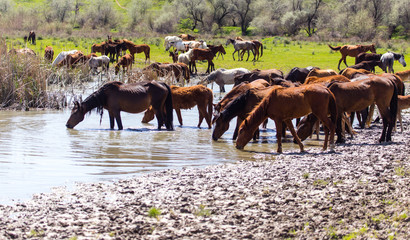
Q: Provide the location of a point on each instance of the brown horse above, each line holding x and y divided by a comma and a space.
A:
174, 56
202, 54
403, 103
32, 37
132, 98
321, 72
368, 65
404, 75
165, 69
352, 51
353, 73
187, 98
284, 104
367, 57
186, 37
357, 95
239, 107
126, 63
49, 53
98, 47
326, 80
138, 48
238, 90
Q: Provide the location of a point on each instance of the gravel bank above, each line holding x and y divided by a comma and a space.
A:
360, 191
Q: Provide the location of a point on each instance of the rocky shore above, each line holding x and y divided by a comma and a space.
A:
359, 192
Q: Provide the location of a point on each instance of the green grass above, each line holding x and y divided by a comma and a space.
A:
280, 53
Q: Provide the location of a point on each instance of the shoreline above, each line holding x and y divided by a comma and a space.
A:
360, 190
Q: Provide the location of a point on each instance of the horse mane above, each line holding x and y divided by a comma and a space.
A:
231, 110
259, 113
98, 98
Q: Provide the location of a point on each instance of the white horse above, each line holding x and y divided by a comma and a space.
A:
180, 46
388, 59
185, 57
96, 62
169, 39
224, 76
61, 56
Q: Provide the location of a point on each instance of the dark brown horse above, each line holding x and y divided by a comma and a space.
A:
352, 51
284, 104
138, 48
132, 98
357, 95
202, 54
268, 75
368, 65
187, 98
238, 90
32, 37
298, 74
49, 53
367, 57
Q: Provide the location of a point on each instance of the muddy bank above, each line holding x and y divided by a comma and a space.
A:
361, 190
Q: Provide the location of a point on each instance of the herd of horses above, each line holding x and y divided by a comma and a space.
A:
311, 95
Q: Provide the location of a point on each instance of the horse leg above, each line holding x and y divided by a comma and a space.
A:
118, 119
233, 55
178, 111
340, 137
111, 114
278, 124
248, 55
289, 124
338, 66
203, 114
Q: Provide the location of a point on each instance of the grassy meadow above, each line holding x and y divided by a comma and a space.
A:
280, 53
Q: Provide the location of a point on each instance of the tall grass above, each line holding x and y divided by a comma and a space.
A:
29, 82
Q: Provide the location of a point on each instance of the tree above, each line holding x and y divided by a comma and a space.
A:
138, 10
311, 8
220, 9
244, 12
194, 9
59, 9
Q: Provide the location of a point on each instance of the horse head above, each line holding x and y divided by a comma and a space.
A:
402, 61
77, 115
221, 126
373, 48
228, 41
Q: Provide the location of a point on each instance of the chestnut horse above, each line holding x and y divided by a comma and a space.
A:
352, 51
138, 48
187, 98
132, 98
268, 75
98, 47
283, 104
126, 62
404, 75
357, 95
49, 53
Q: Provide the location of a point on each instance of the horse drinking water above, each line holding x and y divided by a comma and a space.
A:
132, 98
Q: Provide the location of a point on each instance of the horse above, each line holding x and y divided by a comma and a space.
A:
49, 53
388, 59
186, 37
126, 63
268, 75
298, 74
223, 76
180, 46
61, 56
217, 49
22, 52
70, 59
357, 95
258, 46
403, 102
352, 51
132, 98
32, 37
404, 75
184, 57
239, 45
187, 98
164, 69
367, 57
321, 72
169, 39
202, 54
98, 48
283, 104
238, 90
239, 107
326, 80
367, 65
353, 73
138, 48
197, 44
174, 56
96, 62
114, 49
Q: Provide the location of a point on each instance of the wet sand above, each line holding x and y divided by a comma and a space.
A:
361, 190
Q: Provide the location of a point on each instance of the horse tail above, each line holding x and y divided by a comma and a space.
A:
261, 49
335, 48
169, 116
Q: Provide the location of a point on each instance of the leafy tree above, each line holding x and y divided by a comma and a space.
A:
244, 13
